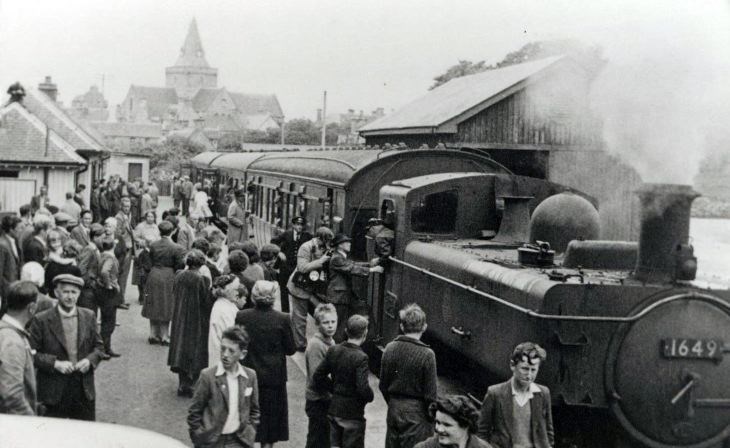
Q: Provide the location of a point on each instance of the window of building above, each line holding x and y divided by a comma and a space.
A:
7, 173
435, 213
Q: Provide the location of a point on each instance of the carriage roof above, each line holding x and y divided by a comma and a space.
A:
331, 166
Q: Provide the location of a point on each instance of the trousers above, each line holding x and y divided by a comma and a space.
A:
299, 309
347, 433
73, 403
318, 433
407, 423
108, 311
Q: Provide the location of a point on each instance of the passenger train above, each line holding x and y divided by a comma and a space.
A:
635, 348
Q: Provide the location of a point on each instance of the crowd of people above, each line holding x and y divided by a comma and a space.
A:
210, 298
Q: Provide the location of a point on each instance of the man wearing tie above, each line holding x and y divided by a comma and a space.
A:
289, 242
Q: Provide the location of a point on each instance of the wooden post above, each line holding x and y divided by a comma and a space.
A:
324, 119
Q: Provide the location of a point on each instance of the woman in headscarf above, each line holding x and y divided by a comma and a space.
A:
189, 336
271, 341
159, 299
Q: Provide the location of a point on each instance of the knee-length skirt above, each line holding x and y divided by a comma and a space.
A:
158, 299
274, 425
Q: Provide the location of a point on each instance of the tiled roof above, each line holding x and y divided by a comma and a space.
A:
458, 96
224, 123
159, 99
23, 139
204, 98
259, 121
254, 104
140, 130
58, 120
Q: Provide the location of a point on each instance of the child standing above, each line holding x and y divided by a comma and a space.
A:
108, 294
318, 403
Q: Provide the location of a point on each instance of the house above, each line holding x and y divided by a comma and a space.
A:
90, 106
41, 145
191, 93
532, 117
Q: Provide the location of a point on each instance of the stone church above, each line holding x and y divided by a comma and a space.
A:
192, 99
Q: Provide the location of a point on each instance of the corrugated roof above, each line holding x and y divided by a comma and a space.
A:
457, 96
23, 139
38, 104
140, 130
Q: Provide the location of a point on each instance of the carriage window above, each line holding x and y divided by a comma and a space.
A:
435, 213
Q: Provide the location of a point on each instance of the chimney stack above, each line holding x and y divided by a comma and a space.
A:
664, 252
49, 88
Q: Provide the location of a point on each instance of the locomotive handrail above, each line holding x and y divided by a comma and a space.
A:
567, 317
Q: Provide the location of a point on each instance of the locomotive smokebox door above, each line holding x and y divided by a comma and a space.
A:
666, 374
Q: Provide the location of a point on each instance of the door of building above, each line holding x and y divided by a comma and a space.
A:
135, 172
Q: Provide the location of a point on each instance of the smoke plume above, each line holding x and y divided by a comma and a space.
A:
665, 89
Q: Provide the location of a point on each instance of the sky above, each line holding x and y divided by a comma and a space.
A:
366, 54
665, 84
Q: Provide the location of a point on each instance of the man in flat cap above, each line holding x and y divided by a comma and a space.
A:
68, 350
289, 242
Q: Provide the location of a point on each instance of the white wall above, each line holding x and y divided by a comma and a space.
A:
119, 164
60, 181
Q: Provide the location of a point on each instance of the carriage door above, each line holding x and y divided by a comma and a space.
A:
378, 284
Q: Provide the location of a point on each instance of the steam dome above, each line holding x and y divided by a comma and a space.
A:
562, 218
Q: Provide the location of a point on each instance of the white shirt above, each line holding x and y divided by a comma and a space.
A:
233, 421
222, 316
522, 397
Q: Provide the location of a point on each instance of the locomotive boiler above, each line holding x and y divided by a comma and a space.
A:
632, 342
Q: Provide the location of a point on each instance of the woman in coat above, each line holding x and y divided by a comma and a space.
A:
189, 339
145, 234
271, 341
237, 222
159, 300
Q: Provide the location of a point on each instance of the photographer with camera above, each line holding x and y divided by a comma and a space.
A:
308, 282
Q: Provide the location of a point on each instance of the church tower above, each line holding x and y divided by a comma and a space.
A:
191, 71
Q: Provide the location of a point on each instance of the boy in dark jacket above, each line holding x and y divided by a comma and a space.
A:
344, 372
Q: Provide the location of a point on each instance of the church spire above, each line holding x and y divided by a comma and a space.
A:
191, 53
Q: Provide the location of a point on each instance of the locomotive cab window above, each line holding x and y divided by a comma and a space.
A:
435, 213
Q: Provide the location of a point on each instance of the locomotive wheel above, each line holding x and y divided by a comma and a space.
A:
665, 374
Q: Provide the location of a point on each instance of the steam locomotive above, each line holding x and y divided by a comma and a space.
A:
635, 348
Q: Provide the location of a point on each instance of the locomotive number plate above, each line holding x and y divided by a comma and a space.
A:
692, 348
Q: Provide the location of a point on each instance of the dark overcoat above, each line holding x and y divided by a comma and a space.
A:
189, 332
339, 288
9, 265
49, 342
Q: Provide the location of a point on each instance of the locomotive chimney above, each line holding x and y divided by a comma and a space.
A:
664, 252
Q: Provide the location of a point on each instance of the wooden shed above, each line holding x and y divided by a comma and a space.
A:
534, 118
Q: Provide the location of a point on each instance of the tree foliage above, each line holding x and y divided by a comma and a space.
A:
528, 52
173, 152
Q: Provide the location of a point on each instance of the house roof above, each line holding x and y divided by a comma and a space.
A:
38, 104
159, 99
191, 53
457, 97
204, 98
24, 138
254, 104
140, 130
223, 123
260, 121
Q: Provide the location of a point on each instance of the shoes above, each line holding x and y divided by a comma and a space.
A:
123, 306
105, 357
154, 341
165, 343
111, 353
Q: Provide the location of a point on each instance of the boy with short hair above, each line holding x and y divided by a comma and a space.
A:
347, 365
225, 409
519, 403
108, 294
317, 405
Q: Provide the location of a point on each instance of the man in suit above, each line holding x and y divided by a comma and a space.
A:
187, 194
289, 242
9, 253
125, 231
81, 232
237, 219
517, 412
34, 248
68, 350
89, 266
185, 233
225, 408
344, 372
40, 200
177, 194
339, 289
